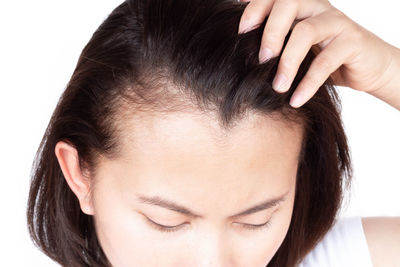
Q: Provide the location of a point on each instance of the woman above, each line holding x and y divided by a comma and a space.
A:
169, 146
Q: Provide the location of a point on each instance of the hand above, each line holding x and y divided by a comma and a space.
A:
352, 55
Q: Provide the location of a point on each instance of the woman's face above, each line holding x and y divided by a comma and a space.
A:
206, 188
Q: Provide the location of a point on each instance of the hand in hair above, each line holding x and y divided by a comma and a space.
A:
352, 55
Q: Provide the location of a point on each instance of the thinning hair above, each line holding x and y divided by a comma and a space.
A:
166, 56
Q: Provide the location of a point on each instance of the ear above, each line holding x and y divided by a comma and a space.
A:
68, 160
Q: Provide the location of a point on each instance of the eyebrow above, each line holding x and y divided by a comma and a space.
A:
168, 204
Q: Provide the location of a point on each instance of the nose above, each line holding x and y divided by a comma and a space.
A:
213, 250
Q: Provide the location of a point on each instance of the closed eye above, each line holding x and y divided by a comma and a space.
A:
165, 228
256, 226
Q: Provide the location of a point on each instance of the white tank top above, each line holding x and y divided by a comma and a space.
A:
344, 245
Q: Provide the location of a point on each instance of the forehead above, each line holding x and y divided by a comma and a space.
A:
196, 135
188, 154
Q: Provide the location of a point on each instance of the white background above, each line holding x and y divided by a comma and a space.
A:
40, 45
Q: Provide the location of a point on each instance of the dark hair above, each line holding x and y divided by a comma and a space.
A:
174, 55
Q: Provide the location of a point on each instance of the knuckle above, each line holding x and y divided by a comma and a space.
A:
340, 17
296, 2
337, 13
286, 63
323, 62
310, 81
304, 27
271, 36
357, 34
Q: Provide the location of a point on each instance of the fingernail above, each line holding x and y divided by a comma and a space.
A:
265, 54
296, 99
279, 82
245, 26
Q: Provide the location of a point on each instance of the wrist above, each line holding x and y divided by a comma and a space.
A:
389, 90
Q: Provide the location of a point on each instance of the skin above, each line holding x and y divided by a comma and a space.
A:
353, 56
185, 158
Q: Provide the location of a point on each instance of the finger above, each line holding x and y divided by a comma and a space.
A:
254, 14
282, 18
319, 29
329, 60
279, 21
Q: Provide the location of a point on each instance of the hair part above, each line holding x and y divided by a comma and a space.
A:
163, 56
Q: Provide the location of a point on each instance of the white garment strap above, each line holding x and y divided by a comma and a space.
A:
344, 245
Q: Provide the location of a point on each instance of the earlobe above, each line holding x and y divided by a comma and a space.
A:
68, 159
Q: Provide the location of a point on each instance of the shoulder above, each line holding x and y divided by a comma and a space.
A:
383, 239
343, 245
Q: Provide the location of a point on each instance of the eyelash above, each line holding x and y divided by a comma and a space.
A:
163, 228
258, 226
